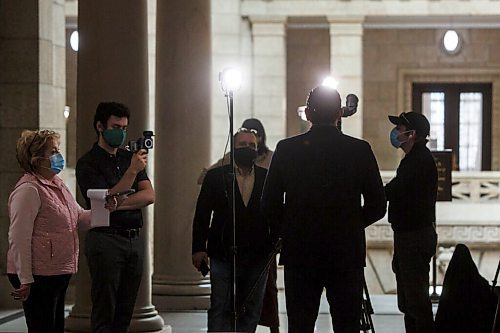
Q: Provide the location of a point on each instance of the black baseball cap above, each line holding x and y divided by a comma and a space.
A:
413, 121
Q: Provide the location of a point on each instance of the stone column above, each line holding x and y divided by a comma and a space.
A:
269, 75
183, 86
112, 66
32, 91
346, 61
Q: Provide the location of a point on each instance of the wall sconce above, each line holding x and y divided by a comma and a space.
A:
73, 40
451, 42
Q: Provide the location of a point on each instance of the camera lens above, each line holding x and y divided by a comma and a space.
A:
148, 143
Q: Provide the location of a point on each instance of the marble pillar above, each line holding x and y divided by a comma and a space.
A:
183, 86
32, 91
113, 66
269, 75
346, 63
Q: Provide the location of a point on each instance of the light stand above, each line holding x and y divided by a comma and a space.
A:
230, 80
434, 296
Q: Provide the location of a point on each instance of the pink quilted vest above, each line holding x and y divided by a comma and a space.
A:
54, 244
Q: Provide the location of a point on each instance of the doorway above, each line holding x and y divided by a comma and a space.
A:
460, 118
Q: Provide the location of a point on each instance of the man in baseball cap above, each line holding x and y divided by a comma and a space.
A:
413, 121
412, 215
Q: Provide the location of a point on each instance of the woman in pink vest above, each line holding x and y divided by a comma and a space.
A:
43, 238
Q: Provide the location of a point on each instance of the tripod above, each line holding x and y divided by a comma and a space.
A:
496, 291
366, 311
262, 275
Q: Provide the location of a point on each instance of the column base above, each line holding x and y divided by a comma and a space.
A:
145, 319
178, 295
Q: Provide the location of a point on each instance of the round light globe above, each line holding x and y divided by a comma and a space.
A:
451, 41
73, 40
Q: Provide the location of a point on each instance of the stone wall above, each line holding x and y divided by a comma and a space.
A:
394, 58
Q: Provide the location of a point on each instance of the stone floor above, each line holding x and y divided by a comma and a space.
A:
387, 318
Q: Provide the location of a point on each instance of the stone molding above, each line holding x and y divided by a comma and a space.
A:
381, 235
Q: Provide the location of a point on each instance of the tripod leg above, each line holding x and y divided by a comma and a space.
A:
368, 306
365, 318
495, 321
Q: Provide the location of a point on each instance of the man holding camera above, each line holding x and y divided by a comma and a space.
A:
115, 252
213, 237
412, 213
312, 197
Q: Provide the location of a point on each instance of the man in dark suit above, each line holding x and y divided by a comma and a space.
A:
313, 198
213, 234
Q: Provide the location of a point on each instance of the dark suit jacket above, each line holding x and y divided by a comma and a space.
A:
312, 197
213, 218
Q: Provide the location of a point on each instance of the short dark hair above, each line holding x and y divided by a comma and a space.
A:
324, 103
107, 109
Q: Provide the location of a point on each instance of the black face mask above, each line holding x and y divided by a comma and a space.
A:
245, 156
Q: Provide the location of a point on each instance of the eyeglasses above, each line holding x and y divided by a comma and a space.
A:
247, 130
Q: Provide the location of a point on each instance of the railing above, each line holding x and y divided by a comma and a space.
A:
472, 218
478, 187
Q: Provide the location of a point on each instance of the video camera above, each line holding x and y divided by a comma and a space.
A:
351, 105
146, 142
350, 108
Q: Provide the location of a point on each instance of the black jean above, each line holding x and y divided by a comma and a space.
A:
44, 308
413, 251
115, 266
303, 289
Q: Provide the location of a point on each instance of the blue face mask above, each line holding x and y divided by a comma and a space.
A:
394, 138
56, 163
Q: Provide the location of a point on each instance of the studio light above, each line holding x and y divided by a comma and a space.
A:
230, 79
330, 82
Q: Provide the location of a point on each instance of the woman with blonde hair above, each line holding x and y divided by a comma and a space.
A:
43, 238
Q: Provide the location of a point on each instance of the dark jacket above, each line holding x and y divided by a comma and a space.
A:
312, 197
213, 218
412, 193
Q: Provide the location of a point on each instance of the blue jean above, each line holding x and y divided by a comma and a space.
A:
413, 251
220, 312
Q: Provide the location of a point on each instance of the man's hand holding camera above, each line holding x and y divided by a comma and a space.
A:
139, 161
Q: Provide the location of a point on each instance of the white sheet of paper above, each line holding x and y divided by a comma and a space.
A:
99, 214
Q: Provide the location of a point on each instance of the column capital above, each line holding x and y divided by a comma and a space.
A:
272, 25
342, 25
